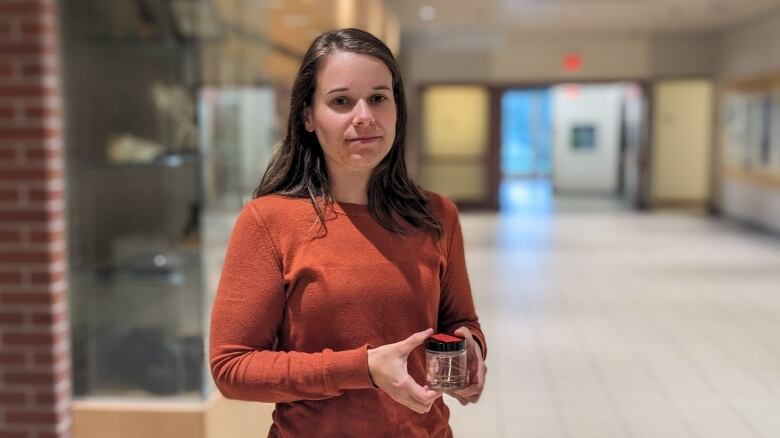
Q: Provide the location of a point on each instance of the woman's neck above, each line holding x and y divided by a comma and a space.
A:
351, 188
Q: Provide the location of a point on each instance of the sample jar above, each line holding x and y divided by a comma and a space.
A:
445, 357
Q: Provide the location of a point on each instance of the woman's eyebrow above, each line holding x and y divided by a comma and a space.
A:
338, 90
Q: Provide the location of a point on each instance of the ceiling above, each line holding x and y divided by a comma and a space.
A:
504, 16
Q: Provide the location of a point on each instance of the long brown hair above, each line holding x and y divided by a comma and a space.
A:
297, 167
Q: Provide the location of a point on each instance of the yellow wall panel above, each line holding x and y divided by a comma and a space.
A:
455, 122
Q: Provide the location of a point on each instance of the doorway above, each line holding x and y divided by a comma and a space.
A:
526, 145
563, 139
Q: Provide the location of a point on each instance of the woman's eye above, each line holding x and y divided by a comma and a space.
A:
340, 101
379, 98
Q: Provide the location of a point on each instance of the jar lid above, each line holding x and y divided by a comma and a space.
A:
444, 342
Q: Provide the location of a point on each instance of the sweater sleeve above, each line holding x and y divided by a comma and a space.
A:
247, 312
456, 308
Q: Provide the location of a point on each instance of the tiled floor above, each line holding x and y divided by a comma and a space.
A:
603, 322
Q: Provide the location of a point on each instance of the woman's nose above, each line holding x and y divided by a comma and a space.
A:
362, 115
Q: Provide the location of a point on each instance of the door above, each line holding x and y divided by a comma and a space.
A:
456, 155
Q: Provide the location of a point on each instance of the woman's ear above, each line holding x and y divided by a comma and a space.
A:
307, 120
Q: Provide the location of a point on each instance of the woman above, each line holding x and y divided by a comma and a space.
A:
341, 267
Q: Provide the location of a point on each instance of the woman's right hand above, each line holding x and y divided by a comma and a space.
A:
387, 365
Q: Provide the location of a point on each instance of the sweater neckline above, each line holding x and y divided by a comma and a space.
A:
344, 208
350, 209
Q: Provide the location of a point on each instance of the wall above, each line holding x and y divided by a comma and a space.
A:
536, 58
746, 52
35, 360
595, 170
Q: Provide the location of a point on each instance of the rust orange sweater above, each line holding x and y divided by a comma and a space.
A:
294, 314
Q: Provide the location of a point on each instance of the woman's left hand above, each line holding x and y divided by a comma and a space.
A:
477, 371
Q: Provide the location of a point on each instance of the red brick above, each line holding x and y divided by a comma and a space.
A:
7, 154
36, 70
23, 257
45, 398
12, 358
25, 216
9, 195
9, 434
45, 195
23, 174
36, 28
46, 236
10, 237
8, 397
46, 277
29, 174
6, 112
10, 319
35, 377
25, 339
25, 6
38, 111
31, 297
30, 417
42, 154
31, 257
47, 319
9, 278
26, 90
6, 71
6, 29
26, 47
49, 358
28, 133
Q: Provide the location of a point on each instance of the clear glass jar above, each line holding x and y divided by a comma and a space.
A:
445, 358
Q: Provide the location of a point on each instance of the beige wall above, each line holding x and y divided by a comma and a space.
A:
537, 57
530, 58
750, 50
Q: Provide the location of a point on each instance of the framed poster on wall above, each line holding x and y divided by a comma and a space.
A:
750, 130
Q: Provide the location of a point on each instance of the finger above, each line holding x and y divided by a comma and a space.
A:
416, 406
422, 395
468, 392
464, 332
415, 340
460, 399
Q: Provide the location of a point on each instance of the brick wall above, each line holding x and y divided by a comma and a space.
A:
34, 337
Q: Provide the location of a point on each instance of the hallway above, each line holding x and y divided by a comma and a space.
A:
604, 322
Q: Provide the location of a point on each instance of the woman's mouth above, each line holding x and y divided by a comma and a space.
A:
364, 140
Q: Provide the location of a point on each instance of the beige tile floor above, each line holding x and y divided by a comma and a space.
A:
603, 322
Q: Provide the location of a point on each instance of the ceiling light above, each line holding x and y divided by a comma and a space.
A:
427, 13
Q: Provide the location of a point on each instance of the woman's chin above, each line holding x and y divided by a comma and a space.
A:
362, 162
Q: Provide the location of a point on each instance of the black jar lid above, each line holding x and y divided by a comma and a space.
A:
442, 342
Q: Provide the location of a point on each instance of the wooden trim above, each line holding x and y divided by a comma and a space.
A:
682, 204
494, 175
212, 417
762, 83
757, 177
